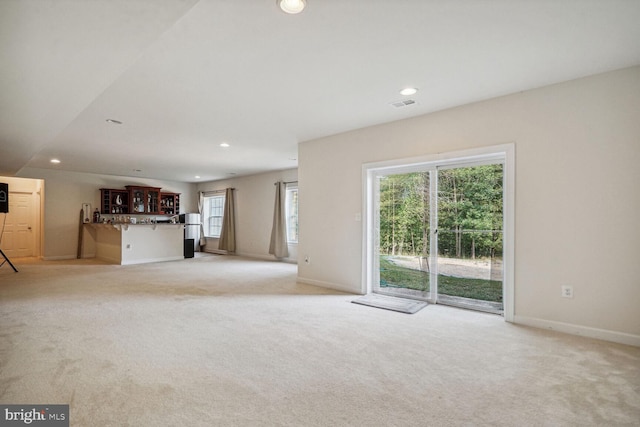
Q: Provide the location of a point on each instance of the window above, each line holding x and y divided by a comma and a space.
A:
291, 203
213, 211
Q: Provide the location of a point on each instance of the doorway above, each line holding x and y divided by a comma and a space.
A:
22, 226
436, 231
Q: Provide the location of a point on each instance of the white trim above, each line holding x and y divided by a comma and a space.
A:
151, 260
504, 153
368, 232
261, 257
414, 164
214, 251
433, 239
329, 285
509, 232
584, 331
265, 257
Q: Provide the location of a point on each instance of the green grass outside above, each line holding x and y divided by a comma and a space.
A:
394, 276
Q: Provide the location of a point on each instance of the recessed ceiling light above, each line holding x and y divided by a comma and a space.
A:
114, 122
291, 6
56, 161
197, 177
224, 145
408, 91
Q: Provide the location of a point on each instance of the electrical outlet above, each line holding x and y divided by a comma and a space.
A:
567, 291
307, 259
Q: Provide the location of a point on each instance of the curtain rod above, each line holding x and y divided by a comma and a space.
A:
286, 182
215, 191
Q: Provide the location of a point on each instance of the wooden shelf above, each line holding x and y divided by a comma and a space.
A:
169, 203
138, 200
114, 201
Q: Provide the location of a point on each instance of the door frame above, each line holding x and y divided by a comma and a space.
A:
504, 153
33, 220
36, 188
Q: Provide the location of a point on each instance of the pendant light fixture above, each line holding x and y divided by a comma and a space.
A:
291, 6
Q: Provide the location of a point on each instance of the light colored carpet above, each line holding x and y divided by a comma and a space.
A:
226, 341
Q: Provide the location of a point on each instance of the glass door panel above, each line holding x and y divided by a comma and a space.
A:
403, 244
470, 237
137, 201
153, 199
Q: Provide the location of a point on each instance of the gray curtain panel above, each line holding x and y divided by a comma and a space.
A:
278, 246
227, 240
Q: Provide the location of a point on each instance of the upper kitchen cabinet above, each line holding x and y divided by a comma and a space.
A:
113, 201
144, 200
169, 203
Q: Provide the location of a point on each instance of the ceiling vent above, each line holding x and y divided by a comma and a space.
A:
403, 103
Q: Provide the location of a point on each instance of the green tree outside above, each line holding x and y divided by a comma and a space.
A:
470, 215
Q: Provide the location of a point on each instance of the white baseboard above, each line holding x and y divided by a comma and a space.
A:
256, 256
328, 285
149, 260
215, 251
59, 257
585, 331
266, 257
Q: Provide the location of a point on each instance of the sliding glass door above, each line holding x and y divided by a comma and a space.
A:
470, 235
404, 240
440, 233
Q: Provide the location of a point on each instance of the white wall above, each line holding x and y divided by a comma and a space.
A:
255, 197
577, 199
65, 192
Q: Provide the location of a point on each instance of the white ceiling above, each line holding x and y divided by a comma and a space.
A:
185, 75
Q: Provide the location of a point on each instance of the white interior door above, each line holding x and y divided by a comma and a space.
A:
18, 239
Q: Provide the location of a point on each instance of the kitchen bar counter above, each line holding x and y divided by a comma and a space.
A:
126, 244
